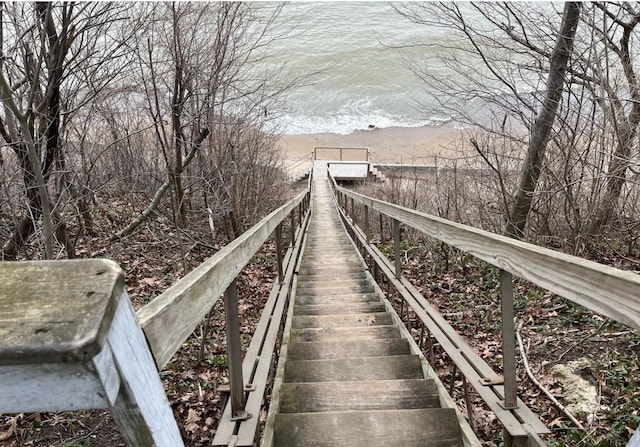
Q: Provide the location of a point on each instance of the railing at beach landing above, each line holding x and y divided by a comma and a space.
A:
612, 293
70, 339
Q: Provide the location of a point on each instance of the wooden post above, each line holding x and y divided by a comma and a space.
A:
74, 343
279, 252
234, 350
508, 340
292, 220
353, 211
396, 247
367, 227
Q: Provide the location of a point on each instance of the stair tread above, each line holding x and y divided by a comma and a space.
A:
335, 297
354, 369
347, 320
342, 333
347, 349
337, 308
432, 427
358, 395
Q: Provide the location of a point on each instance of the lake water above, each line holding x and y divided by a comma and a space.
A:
360, 52
363, 80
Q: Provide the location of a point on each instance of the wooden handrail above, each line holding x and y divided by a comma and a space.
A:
170, 318
609, 291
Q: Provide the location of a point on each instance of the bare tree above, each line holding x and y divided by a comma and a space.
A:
501, 55
43, 58
534, 160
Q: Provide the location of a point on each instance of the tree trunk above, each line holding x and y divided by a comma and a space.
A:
626, 133
534, 161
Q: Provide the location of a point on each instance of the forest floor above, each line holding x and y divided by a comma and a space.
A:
554, 331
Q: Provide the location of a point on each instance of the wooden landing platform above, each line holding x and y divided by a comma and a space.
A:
348, 374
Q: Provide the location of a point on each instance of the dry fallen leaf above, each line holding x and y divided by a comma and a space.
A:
192, 420
371, 320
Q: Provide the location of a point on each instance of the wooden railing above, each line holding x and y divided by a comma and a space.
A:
611, 292
70, 339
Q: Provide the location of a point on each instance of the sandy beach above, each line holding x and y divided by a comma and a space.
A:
407, 145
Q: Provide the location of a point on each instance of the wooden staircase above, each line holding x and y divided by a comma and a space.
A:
348, 374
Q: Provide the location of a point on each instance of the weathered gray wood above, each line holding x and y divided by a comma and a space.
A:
170, 318
407, 428
347, 349
87, 351
337, 309
604, 289
341, 333
357, 396
70, 324
347, 320
53, 387
337, 298
319, 284
354, 369
141, 410
338, 274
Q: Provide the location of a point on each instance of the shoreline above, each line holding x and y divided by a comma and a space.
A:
398, 145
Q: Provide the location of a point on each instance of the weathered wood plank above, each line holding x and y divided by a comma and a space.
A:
347, 349
613, 293
346, 320
70, 324
341, 333
141, 409
171, 318
409, 428
354, 369
356, 396
338, 308
83, 354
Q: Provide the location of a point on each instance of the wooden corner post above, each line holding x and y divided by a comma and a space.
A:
70, 340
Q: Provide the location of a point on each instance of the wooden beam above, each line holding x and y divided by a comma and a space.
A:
170, 319
603, 289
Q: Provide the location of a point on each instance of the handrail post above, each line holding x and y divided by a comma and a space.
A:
508, 340
234, 349
279, 252
396, 247
74, 343
367, 228
353, 211
292, 220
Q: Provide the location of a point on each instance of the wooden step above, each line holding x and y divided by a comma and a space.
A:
348, 320
346, 349
342, 333
311, 272
354, 369
336, 297
309, 264
337, 309
338, 291
358, 396
316, 283
433, 427
338, 275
